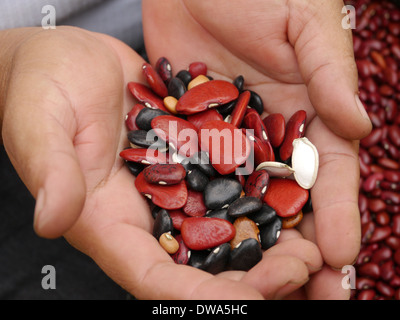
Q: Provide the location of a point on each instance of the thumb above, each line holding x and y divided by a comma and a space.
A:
324, 49
37, 134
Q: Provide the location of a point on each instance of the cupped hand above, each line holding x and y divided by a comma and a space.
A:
296, 55
63, 129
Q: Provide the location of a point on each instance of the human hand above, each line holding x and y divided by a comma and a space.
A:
63, 130
296, 55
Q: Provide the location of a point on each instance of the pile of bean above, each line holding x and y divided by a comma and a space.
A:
377, 50
219, 200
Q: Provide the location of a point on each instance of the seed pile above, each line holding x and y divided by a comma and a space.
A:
376, 42
221, 180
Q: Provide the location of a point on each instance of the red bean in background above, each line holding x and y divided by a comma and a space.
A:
376, 42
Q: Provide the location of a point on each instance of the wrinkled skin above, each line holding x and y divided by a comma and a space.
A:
65, 141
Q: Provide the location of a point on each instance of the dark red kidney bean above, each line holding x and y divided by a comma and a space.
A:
390, 110
390, 76
376, 205
363, 283
143, 156
130, 119
388, 163
367, 230
177, 216
364, 169
387, 270
376, 193
168, 127
379, 59
372, 139
396, 256
197, 68
182, 256
207, 95
391, 175
144, 95
365, 217
376, 151
386, 185
164, 69
396, 224
168, 197
396, 50
198, 119
395, 281
262, 151
257, 184
381, 254
369, 269
154, 80
195, 206
362, 202
384, 289
295, 128
275, 125
252, 120
386, 90
394, 135
393, 208
375, 119
239, 111
382, 218
380, 233
390, 197
368, 294
372, 182
364, 256
393, 242
365, 156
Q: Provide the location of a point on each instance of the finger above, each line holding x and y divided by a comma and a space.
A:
300, 248
42, 152
327, 285
335, 197
325, 54
276, 276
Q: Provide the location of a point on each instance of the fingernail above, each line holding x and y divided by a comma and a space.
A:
361, 107
40, 201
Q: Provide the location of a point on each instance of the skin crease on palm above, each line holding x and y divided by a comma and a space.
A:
77, 130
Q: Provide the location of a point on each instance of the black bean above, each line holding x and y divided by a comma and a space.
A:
185, 76
196, 180
202, 161
162, 224
220, 213
246, 255
144, 117
218, 259
220, 192
135, 167
263, 216
227, 108
269, 233
239, 83
308, 206
243, 206
176, 88
256, 102
146, 139
197, 258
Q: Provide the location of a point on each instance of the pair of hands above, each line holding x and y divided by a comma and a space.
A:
63, 106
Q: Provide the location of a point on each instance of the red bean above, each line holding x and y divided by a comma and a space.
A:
370, 269
396, 224
368, 294
384, 289
381, 254
380, 233
387, 270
